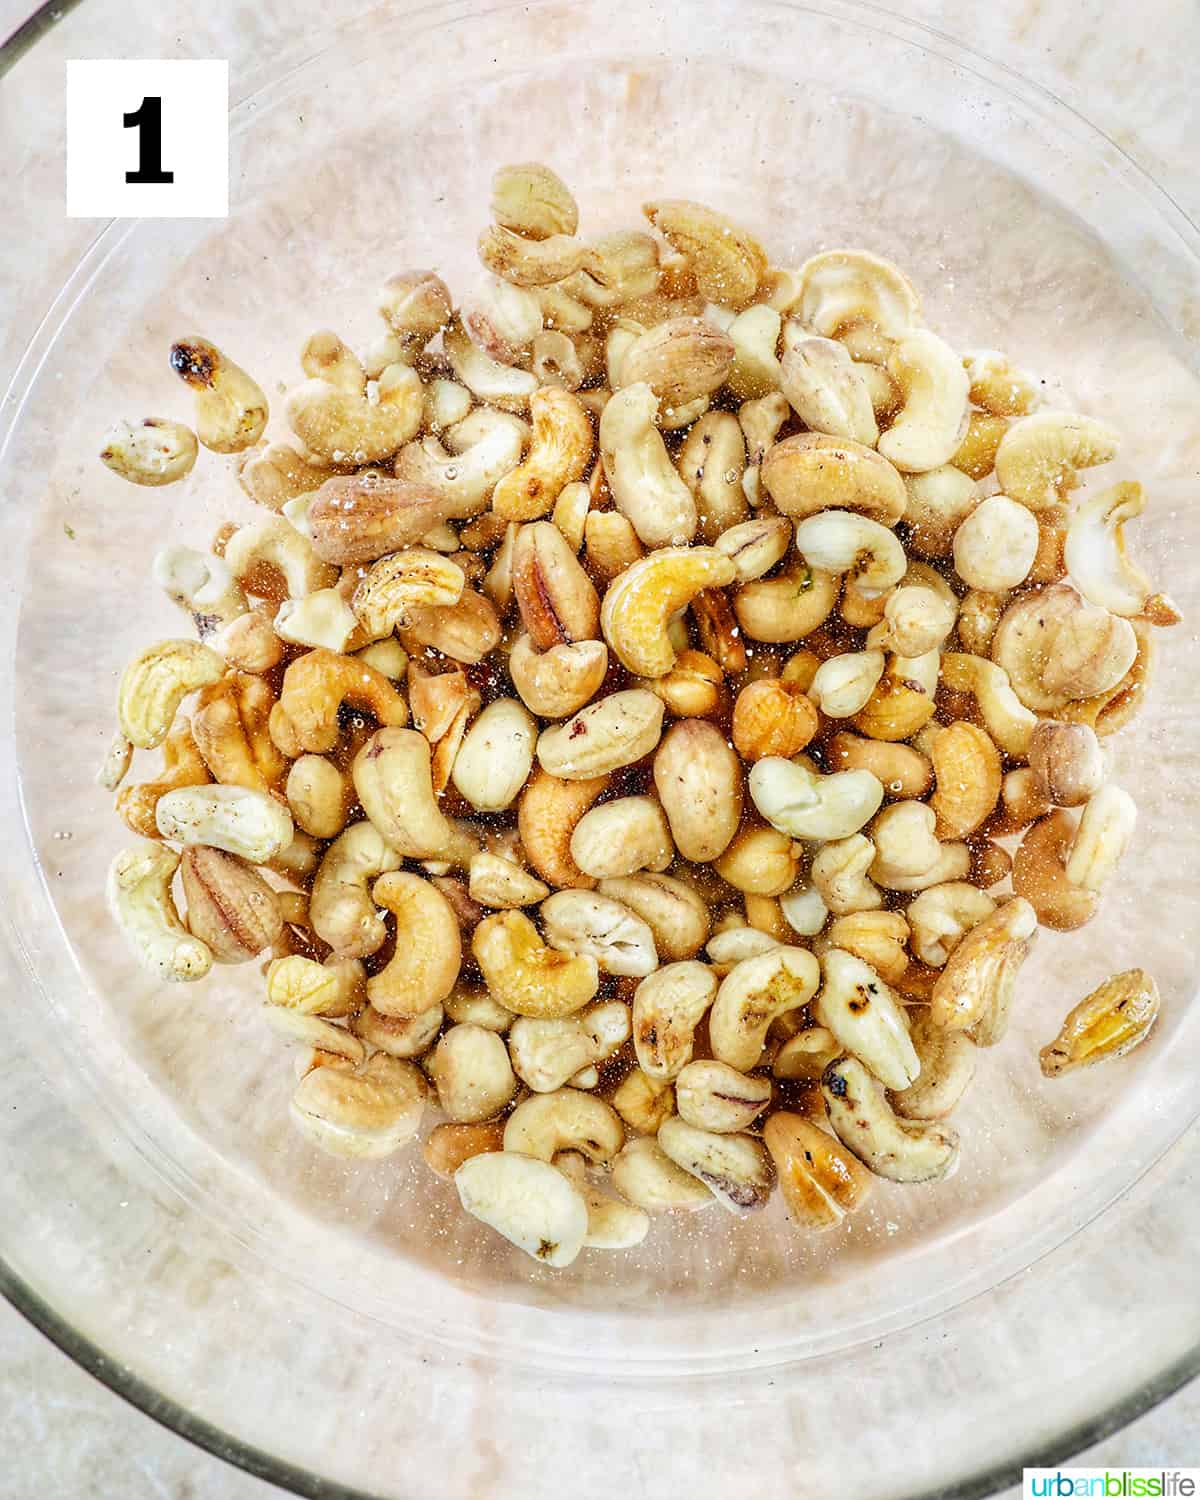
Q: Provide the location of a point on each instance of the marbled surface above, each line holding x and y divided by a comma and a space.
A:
65, 1434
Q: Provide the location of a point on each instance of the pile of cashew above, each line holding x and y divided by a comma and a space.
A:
605, 735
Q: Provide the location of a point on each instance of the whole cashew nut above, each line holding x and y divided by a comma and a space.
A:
393, 778
645, 486
1009, 722
423, 970
734, 1168
156, 682
756, 992
560, 448
929, 426
827, 390
727, 260
396, 585
231, 409
812, 472
525, 975
668, 1005
841, 541
566, 1120
866, 1018
140, 901
842, 685
472, 1074
699, 783
1038, 456
841, 883
806, 805
614, 731
974, 991
479, 451
598, 926
941, 916
646, 1176
675, 914
247, 823
622, 837
341, 425
900, 1150
340, 908
839, 289
275, 543
489, 381
365, 1114
639, 603
1098, 563
314, 688
555, 684
1101, 839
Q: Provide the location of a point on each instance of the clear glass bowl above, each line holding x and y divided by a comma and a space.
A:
346, 1329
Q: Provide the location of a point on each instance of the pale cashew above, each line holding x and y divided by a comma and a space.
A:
805, 909
530, 263
600, 927
321, 619
699, 783
1008, 721
1038, 456
916, 620
1057, 649
367, 1114
841, 880
472, 1074
997, 386
942, 915
938, 502
953, 863
140, 901
557, 683
639, 603
502, 319
904, 839
1067, 761
756, 992
115, 766
533, 201
900, 1150
754, 547
734, 1168
341, 425
622, 837
495, 758
928, 428
446, 405
153, 451
645, 1175
326, 357
500, 883
156, 682
879, 938
562, 309
202, 584
423, 970
388, 657
1098, 563
615, 731
275, 543
645, 487
675, 914
841, 541
974, 991
393, 779
732, 945
826, 388
555, 361
479, 451
668, 1005
312, 989
234, 818
502, 386
529, 1202
415, 305
622, 267
467, 1005
681, 360
525, 975
612, 1223
841, 288
340, 908
812, 472
565, 1120
755, 334
231, 409
713, 1096
727, 260
787, 607
866, 1018
947, 1067
996, 544
843, 684
806, 805
820, 1181
560, 447
1104, 833
547, 1054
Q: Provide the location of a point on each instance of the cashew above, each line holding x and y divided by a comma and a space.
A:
904, 839
668, 1005
645, 487
612, 1224
675, 914
448, 1146
489, 381
236, 819
879, 938
423, 970
470, 1006
322, 619
812, 472
115, 766
734, 1168
533, 201
622, 267
231, 409
997, 386
565, 1120
638, 604
947, 1068
525, 975
942, 915
928, 428
482, 448
826, 389
529, 263
760, 861
953, 863
394, 586
446, 404
582, 922
1067, 761
754, 547
916, 620
866, 1018
1114, 1019
153, 451
156, 682
1104, 833
804, 908
695, 685
621, 838
472, 1074
275, 544
974, 991
560, 447
978, 616
699, 783
646, 1176
466, 631
499, 883
681, 360
231, 728
547, 1054
1098, 563
730, 946
557, 600
938, 502
903, 771
1008, 721
556, 683
338, 424
772, 717
967, 770
529, 1202
713, 1096
787, 607
495, 758
727, 260
1038, 456
840, 541
755, 333
274, 474
140, 901
756, 992
900, 1150
393, 780
340, 908
502, 319
556, 361
1056, 648
843, 684
840, 877
995, 545
820, 1182
547, 813
615, 731
299, 984
367, 1114
806, 805
839, 289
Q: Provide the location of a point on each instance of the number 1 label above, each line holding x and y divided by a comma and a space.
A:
147, 120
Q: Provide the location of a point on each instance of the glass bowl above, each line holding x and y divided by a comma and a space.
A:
345, 1329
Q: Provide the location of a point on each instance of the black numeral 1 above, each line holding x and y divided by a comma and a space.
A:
147, 120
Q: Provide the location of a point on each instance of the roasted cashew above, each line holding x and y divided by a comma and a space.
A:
601, 928
668, 1005
840, 289
502, 319
340, 908
415, 305
1114, 1019
826, 389
231, 409
938, 502
866, 1018
805, 805
341, 425
502, 884
900, 1150
681, 360
394, 781
947, 1067
974, 991
727, 260
734, 1168
902, 770
547, 1054
396, 585
1067, 761
153, 451
1098, 563
622, 837
489, 381
156, 682
942, 915
820, 1181
465, 467
365, 1114
448, 1146
612, 1223
754, 547
843, 542
904, 839
140, 901
525, 975
472, 1074
1038, 456
275, 545
639, 603
676, 915
241, 821
557, 683
812, 472
273, 474
840, 881
645, 487
566, 1120
968, 776
495, 757
530, 263
757, 991
559, 451
1008, 721
423, 970
614, 731
314, 688
699, 783
928, 428
994, 547
917, 619
529, 1202
1101, 839
1057, 649
645, 1175
787, 607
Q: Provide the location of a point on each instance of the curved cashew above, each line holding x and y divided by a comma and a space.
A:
153, 451
968, 773
557, 683
756, 992
953, 863
1057, 649
547, 1054
645, 487
1098, 563
315, 686
140, 901
787, 607
612, 1223
275, 543
866, 1018
806, 805
904, 839
879, 938
472, 1074
559, 450
394, 781
622, 837
668, 1005
602, 928
826, 389
273, 474
326, 357
480, 450
1008, 721
928, 428
500, 883
533, 201
1114, 1019
248, 642
974, 991
812, 472
938, 502
502, 319
941, 916
1039, 874
903, 700
1067, 761
841, 541
1104, 832
231, 409
341, 425
340, 908
693, 688
996, 544
842, 685
639, 603
734, 1168
525, 975
773, 717
903, 771
234, 818
415, 305
754, 547
728, 262
900, 1150
531, 1203
978, 616
300, 984
675, 914
202, 584
841, 882
1038, 456
997, 386
365, 1114
841, 288
446, 405
729, 947
681, 360
947, 1067
406, 580
547, 813
423, 970
615, 731
531, 263
820, 1183
488, 380
566, 1120
156, 682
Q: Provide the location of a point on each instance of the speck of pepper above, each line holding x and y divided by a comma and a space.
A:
836, 1084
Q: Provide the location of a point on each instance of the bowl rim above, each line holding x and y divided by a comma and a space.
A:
31, 1305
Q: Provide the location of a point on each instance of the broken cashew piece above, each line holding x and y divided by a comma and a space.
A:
140, 900
1114, 1019
1039, 455
1099, 565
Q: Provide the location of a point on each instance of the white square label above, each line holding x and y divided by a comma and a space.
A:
147, 139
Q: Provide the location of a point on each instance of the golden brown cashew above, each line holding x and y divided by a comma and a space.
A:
728, 261
560, 448
1038, 456
639, 603
347, 426
974, 991
415, 305
479, 451
274, 545
315, 686
393, 778
156, 682
423, 970
153, 451
812, 472
525, 975
820, 1180
547, 813
787, 607
231, 409
557, 683
231, 730
557, 600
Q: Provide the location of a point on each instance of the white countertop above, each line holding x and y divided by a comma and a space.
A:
65, 1435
